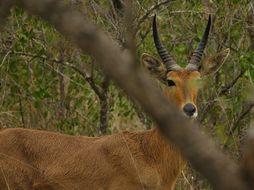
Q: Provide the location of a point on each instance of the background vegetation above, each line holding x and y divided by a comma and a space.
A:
46, 83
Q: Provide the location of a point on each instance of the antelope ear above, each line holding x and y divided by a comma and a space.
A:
213, 63
154, 66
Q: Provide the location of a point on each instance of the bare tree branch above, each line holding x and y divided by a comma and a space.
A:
223, 91
242, 115
197, 148
104, 106
101, 92
118, 6
142, 19
87, 77
143, 37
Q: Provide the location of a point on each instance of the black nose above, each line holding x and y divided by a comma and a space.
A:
189, 109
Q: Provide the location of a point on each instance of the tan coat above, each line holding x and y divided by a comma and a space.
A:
32, 159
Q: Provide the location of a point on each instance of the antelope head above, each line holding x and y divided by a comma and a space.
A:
181, 85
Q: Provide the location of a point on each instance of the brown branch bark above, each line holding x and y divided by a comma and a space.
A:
21, 109
196, 147
118, 6
104, 106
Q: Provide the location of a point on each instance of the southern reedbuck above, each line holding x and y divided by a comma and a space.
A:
32, 159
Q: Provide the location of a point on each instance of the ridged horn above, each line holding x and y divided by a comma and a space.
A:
197, 54
164, 55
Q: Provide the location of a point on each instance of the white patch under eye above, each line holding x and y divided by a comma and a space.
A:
195, 115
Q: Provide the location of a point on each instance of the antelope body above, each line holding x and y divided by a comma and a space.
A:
32, 159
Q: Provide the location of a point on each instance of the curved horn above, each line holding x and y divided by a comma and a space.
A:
197, 54
164, 55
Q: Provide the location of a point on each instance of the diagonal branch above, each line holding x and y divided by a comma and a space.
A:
223, 91
242, 115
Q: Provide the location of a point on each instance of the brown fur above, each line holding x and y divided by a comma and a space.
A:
40, 160
32, 159
186, 89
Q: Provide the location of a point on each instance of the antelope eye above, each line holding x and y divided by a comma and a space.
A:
171, 83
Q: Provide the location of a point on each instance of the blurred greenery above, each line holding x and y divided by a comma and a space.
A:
37, 91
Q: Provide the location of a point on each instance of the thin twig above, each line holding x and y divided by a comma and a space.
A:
101, 92
241, 116
223, 91
84, 75
21, 110
143, 37
149, 11
118, 7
